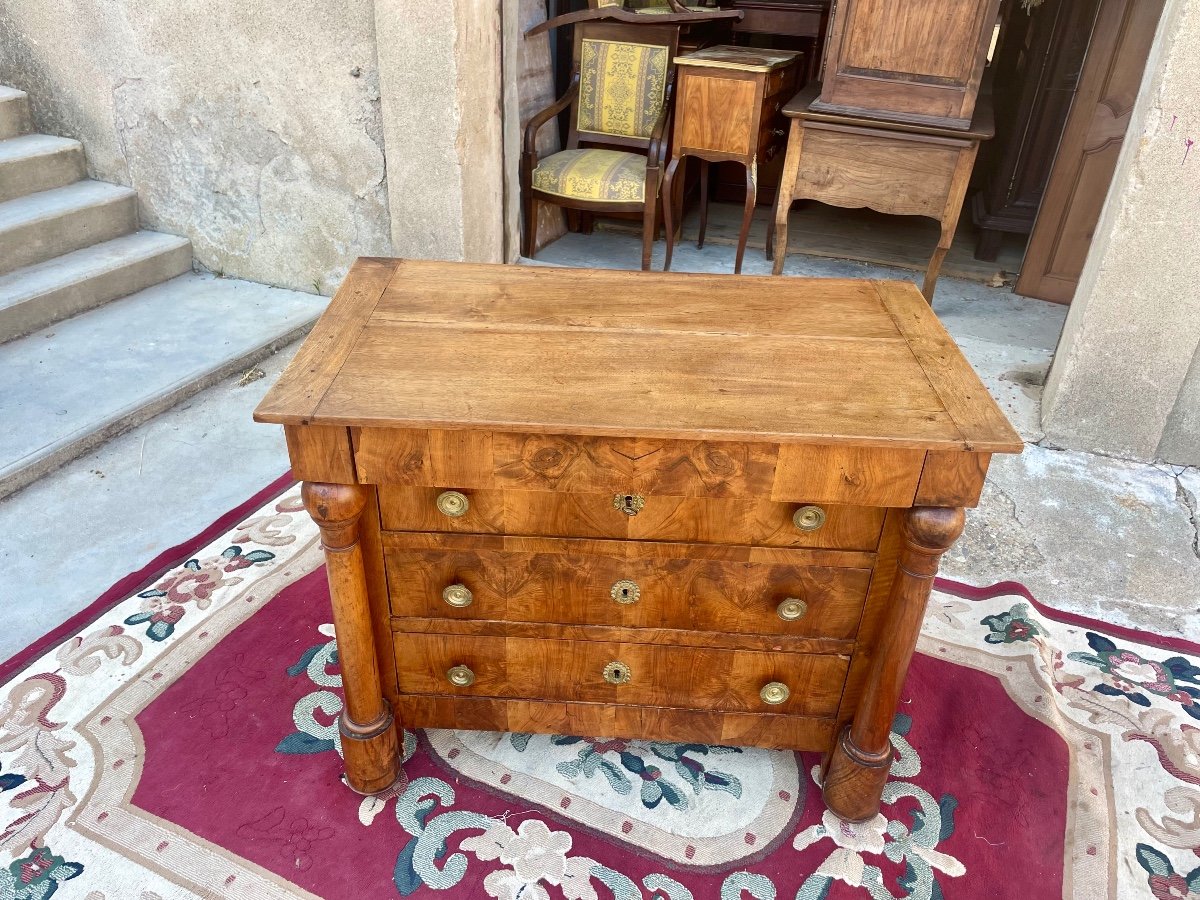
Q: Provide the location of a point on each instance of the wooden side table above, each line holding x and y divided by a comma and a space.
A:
895, 168
727, 102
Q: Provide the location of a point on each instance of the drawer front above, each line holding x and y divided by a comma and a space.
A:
679, 519
679, 677
622, 584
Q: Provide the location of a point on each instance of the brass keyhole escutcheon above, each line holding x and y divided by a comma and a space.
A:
625, 591
453, 504
458, 595
774, 693
791, 609
809, 518
460, 676
617, 673
630, 504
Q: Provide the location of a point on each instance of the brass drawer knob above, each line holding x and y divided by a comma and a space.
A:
457, 595
453, 504
774, 693
809, 518
625, 591
616, 673
630, 504
791, 609
460, 676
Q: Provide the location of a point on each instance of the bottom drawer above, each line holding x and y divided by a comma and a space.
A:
621, 673
611, 721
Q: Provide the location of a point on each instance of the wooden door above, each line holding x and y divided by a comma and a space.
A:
908, 60
1091, 142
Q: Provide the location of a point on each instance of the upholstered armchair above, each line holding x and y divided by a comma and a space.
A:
620, 99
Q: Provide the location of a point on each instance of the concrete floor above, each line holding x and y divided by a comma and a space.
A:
1107, 538
1103, 537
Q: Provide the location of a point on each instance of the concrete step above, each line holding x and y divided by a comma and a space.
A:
38, 162
66, 389
41, 294
50, 223
14, 112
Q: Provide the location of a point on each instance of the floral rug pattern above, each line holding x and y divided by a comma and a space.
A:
184, 744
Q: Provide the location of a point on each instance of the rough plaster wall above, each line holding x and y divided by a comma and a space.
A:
440, 76
252, 128
1134, 328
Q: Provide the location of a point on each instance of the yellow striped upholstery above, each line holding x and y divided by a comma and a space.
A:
621, 87
611, 176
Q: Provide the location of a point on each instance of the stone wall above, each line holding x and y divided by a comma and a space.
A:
252, 128
1126, 378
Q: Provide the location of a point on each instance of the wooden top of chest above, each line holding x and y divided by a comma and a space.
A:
412, 344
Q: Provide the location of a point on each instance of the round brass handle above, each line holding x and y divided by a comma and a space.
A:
625, 591
617, 673
460, 676
809, 518
630, 504
774, 693
792, 609
458, 595
453, 504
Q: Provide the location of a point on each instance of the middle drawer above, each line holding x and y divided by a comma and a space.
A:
694, 587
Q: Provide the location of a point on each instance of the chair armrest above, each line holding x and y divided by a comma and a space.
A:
534, 124
656, 153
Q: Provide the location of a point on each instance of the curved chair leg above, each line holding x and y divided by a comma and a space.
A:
703, 203
649, 229
668, 193
858, 766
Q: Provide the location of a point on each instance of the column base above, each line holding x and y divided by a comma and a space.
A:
371, 754
854, 780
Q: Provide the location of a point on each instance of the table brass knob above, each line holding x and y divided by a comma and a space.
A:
460, 676
630, 504
791, 609
809, 518
457, 595
453, 504
774, 693
616, 673
625, 591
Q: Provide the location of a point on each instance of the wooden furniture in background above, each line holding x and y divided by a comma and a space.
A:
907, 170
783, 22
1034, 75
727, 111
669, 507
1091, 142
620, 97
917, 61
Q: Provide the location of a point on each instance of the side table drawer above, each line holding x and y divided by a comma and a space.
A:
627, 584
638, 674
678, 519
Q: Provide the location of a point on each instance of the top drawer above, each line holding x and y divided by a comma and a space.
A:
480, 460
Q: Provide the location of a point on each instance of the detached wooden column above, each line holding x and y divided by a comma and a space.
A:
370, 748
858, 767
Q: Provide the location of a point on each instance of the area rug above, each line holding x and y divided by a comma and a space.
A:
179, 740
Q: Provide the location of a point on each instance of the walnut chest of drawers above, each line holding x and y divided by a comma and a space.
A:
680, 507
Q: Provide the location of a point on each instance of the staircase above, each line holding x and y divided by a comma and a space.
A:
102, 325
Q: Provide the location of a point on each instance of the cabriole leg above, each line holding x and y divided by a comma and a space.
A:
858, 766
370, 748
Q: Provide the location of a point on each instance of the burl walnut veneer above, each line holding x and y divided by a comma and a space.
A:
679, 507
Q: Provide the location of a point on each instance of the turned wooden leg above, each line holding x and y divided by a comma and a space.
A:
370, 748
857, 769
747, 215
703, 203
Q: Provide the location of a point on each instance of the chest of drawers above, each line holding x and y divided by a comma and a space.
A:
679, 507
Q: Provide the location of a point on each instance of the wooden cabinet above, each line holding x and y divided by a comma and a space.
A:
668, 507
917, 61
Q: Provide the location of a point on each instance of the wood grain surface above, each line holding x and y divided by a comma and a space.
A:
683, 677
573, 582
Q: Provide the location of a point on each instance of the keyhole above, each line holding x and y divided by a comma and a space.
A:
625, 592
629, 501
617, 673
